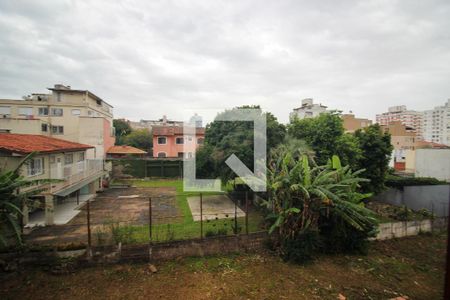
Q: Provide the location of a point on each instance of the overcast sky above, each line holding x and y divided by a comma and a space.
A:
149, 58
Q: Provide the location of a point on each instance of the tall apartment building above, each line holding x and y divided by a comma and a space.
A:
308, 110
409, 118
73, 115
436, 124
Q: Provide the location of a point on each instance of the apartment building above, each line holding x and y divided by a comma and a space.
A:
404, 140
436, 124
309, 109
351, 123
171, 141
75, 178
65, 113
149, 124
410, 118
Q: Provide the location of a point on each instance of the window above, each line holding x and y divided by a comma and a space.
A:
81, 156
58, 129
52, 159
44, 127
162, 140
189, 155
5, 110
189, 138
35, 166
200, 141
180, 154
43, 111
25, 111
57, 112
90, 113
76, 112
161, 154
179, 140
68, 159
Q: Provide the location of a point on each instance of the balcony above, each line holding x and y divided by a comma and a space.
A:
74, 173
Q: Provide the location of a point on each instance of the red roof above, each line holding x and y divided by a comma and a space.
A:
125, 150
27, 143
174, 130
425, 144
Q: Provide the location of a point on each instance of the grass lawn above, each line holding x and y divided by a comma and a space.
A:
187, 228
412, 267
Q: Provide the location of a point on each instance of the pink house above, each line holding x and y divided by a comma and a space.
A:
168, 141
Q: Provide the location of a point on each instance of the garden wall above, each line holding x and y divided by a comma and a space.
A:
408, 228
434, 198
142, 168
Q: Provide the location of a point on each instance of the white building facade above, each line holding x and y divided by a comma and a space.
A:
436, 124
308, 110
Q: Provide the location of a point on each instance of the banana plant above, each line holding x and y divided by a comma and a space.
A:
11, 200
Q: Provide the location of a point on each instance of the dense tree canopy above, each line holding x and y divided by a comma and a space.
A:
223, 138
368, 149
325, 134
376, 151
123, 128
139, 138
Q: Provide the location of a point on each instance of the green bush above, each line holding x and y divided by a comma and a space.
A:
301, 248
339, 237
400, 182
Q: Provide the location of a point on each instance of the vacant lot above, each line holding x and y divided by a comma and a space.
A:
411, 266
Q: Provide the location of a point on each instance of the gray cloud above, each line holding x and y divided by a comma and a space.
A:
160, 57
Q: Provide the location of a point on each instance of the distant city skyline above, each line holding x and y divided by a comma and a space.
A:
154, 59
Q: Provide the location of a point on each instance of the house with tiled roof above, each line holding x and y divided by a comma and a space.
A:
69, 178
172, 141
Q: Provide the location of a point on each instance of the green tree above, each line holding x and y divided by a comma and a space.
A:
123, 128
223, 138
140, 138
376, 152
325, 134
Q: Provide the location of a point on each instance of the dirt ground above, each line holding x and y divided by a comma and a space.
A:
412, 267
113, 206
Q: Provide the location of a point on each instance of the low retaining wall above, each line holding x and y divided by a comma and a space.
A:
408, 228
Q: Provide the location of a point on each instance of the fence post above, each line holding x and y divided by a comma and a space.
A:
246, 212
235, 217
201, 216
150, 219
88, 208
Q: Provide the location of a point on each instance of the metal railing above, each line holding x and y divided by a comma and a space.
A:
74, 173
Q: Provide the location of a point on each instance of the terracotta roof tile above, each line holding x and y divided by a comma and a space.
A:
125, 150
173, 130
27, 143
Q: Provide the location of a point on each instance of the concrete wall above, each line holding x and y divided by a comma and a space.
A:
433, 163
434, 198
409, 228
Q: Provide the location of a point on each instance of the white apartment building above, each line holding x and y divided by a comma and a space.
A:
65, 113
409, 118
436, 124
308, 110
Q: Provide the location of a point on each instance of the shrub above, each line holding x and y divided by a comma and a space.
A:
300, 248
400, 182
339, 237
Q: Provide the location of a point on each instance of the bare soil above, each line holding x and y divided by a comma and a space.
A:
412, 267
112, 206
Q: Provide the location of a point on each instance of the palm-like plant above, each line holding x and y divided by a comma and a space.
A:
300, 192
12, 199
